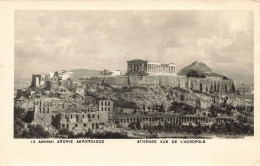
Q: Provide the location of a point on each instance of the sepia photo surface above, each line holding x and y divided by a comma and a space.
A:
134, 74
129, 83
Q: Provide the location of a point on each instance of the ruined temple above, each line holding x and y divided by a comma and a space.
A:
43, 80
142, 67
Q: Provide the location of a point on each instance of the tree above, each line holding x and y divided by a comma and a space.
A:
132, 125
35, 132
29, 117
138, 125
19, 124
63, 131
56, 121
194, 73
225, 78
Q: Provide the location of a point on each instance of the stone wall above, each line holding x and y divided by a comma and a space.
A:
143, 81
155, 120
196, 84
116, 81
84, 121
46, 110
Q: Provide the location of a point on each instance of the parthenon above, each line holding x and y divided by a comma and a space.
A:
139, 67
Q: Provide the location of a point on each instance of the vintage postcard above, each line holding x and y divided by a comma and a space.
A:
110, 76
134, 74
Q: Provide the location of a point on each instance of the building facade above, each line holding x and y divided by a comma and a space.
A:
142, 67
40, 80
76, 121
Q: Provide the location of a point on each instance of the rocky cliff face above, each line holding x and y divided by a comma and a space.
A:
203, 85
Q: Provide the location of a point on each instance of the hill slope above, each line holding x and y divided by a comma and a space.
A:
200, 67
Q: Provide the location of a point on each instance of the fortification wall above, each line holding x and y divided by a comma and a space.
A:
196, 84
169, 81
116, 81
144, 80
210, 85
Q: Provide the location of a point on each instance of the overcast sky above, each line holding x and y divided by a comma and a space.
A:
51, 40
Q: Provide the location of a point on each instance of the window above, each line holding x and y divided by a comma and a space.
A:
85, 125
77, 118
93, 125
108, 108
76, 125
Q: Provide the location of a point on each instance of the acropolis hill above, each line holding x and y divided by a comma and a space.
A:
144, 73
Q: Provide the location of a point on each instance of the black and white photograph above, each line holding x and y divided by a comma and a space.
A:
133, 74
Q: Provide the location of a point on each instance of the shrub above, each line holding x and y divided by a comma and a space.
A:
194, 73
